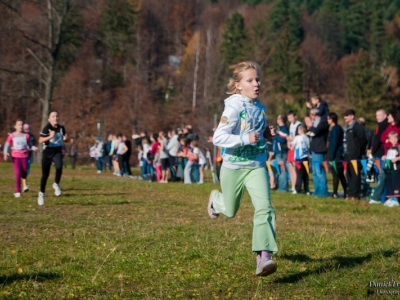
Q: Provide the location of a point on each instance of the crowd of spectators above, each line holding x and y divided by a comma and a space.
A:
162, 157
355, 155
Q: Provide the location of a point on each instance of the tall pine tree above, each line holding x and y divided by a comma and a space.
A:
285, 69
365, 86
234, 40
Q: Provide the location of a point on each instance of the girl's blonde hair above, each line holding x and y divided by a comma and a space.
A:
237, 76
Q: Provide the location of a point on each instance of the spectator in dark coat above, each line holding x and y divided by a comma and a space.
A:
319, 134
335, 156
354, 143
126, 156
368, 132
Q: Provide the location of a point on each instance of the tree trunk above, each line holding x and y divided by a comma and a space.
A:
196, 68
48, 91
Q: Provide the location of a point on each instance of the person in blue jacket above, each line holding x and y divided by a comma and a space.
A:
280, 149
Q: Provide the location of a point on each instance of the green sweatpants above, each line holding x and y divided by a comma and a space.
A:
256, 182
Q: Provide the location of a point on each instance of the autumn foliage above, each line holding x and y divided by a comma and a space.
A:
131, 65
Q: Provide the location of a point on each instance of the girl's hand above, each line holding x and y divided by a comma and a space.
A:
254, 137
394, 160
51, 134
6, 156
65, 136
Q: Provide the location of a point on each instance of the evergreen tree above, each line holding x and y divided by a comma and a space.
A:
234, 39
354, 21
365, 87
70, 39
377, 38
285, 68
329, 26
391, 54
256, 2
285, 13
392, 9
286, 34
118, 23
312, 5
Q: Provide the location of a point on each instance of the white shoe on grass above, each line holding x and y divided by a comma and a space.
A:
57, 190
17, 195
25, 189
265, 266
40, 199
372, 201
392, 203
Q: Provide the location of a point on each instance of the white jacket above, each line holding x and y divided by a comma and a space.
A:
242, 116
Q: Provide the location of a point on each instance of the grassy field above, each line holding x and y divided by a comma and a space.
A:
115, 238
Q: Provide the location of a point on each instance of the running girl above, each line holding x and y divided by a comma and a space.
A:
52, 137
19, 141
241, 135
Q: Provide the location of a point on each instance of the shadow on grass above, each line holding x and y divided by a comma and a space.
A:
104, 202
95, 194
329, 263
39, 277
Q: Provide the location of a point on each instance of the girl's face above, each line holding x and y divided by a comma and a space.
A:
18, 126
249, 85
53, 118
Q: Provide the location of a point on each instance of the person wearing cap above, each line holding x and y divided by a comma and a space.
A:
32, 148
319, 134
354, 143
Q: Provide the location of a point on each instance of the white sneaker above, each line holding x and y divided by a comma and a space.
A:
40, 199
265, 266
57, 190
17, 195
393, 203
374, 202
387, 203
98, 172
294, 193
25, 189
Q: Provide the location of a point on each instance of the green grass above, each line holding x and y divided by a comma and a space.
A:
114, 238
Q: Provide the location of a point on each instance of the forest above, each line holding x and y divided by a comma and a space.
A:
111, 66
